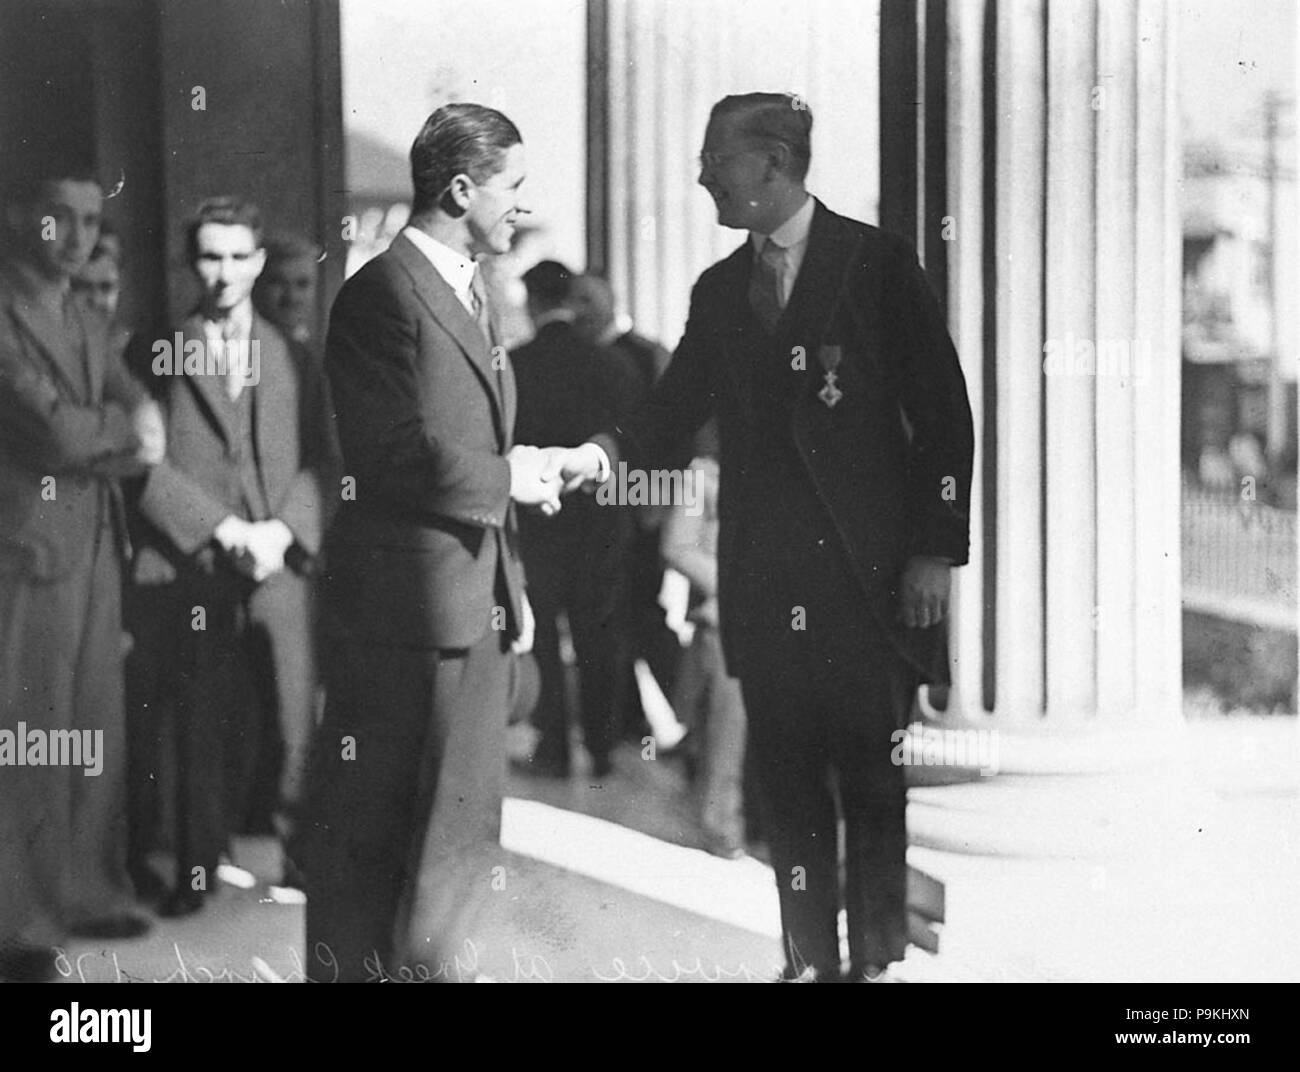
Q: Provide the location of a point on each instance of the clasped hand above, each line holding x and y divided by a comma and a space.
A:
256, 548
540, 475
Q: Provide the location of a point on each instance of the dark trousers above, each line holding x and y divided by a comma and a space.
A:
403, 816
575, 567
218, 725
157, 619
821, 706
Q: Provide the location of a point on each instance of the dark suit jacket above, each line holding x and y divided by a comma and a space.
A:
650, 358
426, 413
198, 483
63, 415
891, 460
570, 390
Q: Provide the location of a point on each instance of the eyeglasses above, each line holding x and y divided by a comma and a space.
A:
709, 161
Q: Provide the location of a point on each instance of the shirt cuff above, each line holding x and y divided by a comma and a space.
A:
602, 459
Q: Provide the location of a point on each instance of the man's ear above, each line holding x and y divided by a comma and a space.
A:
460, 192
779, 158
259, 256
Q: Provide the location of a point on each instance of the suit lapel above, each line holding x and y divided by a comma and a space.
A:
806, 319
446, 308
271, 394
66, 362
210, 389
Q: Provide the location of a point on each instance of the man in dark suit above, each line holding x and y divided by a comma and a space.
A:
424, 587
236, 511
846, 449
71, 423
644, 632
569, 390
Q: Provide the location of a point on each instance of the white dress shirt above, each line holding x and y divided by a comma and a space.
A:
792, 239
454, 267
232, 339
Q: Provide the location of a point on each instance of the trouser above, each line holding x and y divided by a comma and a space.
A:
711, 704
403, 815
575, 566
281, 619
217, 725
63, 829
821, 709
158, 618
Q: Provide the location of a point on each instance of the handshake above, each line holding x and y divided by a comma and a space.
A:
540, 475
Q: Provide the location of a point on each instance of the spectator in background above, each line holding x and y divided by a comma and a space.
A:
706, 698
98, 286
239, 505
569, 389
71, 422
286, 290
644, 634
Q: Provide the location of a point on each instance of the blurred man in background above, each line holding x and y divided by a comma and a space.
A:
568, 390
643, 633
239, 506
71, 422
286, 290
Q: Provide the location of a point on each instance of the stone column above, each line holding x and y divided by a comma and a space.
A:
1063, 291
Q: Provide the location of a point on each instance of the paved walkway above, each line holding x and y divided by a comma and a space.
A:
603, 885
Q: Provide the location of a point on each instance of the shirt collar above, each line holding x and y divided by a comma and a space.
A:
454, 267
241, 320
794, 232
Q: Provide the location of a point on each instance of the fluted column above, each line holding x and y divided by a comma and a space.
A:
1061, 132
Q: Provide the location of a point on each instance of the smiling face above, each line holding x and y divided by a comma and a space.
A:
493, 206
738, 174
60, 226
227, 261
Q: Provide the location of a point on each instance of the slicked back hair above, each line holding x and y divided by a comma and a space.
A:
469, 139
226, 210
783, 118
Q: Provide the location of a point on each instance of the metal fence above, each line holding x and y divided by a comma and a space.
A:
1239, 556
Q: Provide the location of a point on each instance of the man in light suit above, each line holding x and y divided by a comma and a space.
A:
71, 423
235, 515
424, 588
846, 447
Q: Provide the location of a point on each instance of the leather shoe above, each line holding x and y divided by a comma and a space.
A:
27, 964
122, 925
539, 768
728, 848
181, 903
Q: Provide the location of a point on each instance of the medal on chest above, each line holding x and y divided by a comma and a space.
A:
830, 356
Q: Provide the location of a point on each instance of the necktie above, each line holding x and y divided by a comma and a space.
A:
765, 285
478, 299
230, 349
